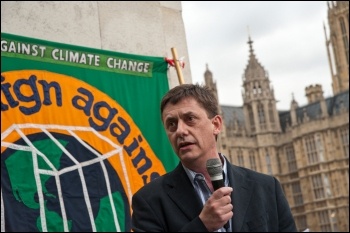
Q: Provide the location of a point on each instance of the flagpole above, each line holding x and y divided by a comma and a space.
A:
177, 66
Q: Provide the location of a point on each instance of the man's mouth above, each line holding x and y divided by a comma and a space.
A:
184, 144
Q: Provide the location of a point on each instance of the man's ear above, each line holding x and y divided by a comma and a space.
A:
217, 123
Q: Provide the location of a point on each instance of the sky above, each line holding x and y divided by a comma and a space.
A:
288, 41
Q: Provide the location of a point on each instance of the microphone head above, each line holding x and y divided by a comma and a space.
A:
214, 168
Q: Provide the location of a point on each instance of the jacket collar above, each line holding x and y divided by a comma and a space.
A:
181, 191
241, 195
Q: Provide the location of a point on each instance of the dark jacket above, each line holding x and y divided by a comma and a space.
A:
170, 203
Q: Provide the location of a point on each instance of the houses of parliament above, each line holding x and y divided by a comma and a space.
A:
307, 147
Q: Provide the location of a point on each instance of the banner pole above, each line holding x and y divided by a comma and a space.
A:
177, 66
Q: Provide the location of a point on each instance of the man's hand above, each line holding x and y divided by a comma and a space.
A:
217, 211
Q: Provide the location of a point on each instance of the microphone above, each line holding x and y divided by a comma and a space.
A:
214, 168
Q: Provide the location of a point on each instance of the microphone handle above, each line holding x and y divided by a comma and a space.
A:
216, 185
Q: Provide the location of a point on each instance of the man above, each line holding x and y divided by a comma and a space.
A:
174, 202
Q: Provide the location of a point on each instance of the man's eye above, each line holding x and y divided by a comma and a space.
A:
190, 118
171, 125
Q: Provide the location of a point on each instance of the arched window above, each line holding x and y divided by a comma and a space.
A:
261, 114
291, 160
251, 118
252, 160
240, 158
345, 38
268, 162
272, 116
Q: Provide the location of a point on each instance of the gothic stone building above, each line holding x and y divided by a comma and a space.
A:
307, 147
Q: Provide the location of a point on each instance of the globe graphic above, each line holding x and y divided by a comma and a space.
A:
61, 185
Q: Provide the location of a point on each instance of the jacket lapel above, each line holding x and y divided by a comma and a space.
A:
241, 195
181, 192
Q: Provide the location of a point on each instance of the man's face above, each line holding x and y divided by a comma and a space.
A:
190, 131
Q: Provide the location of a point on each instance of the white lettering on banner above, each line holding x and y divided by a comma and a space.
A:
76, 57
141, 67
22, 48
135, 66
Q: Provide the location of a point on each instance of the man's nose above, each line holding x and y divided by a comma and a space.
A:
181, 129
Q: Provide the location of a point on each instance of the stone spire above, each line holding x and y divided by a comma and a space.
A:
258, 98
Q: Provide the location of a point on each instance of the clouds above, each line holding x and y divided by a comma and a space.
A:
289, 42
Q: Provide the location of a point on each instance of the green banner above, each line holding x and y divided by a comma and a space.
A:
81, 132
